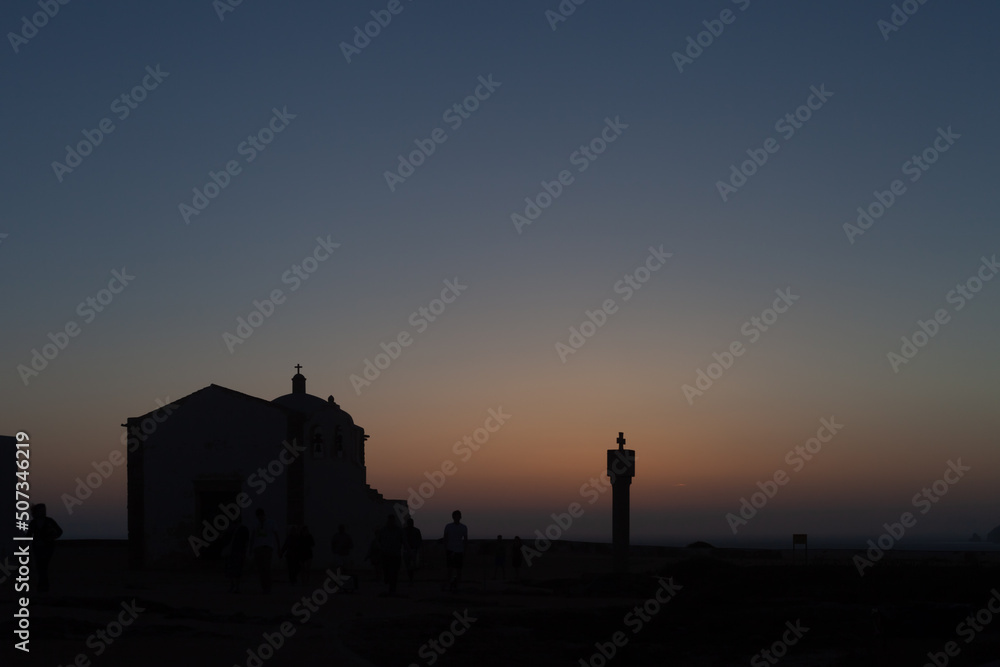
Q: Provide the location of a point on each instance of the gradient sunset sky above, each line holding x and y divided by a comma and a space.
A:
609, 63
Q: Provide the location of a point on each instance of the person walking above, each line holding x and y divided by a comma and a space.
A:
412, 541
341, 544
263, 546
237, 557
306, 545
456, 536
390, 542
516, 557
291, 551
45, 531
500, 559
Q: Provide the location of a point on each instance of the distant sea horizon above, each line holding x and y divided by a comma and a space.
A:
943, 543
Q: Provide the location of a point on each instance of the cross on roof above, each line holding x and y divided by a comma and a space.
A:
621, 440
298, 368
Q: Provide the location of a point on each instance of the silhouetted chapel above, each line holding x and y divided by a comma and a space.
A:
299, 457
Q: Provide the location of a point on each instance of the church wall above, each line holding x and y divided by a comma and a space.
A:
214, 446
336, 492
216, 439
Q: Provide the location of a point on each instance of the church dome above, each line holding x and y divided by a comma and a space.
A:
305, 403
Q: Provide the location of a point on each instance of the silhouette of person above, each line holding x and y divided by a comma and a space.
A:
45, 531
390, 541
412, 540
306, 546
456, 536
237, 557
341, 544
500, 559
291, 550
263, 545
374, 556
516, 557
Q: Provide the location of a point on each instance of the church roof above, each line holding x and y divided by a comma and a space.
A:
215, 387
298, 401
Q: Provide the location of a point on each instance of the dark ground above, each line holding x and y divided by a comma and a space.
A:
732, 604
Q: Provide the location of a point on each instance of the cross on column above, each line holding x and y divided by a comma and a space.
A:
621, 440
298, 368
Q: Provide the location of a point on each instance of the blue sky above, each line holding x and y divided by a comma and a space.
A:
656, 184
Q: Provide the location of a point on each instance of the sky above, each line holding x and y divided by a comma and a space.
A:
621, 190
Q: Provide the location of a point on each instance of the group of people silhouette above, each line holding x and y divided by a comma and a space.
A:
500, 558
261, 543
392, 548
